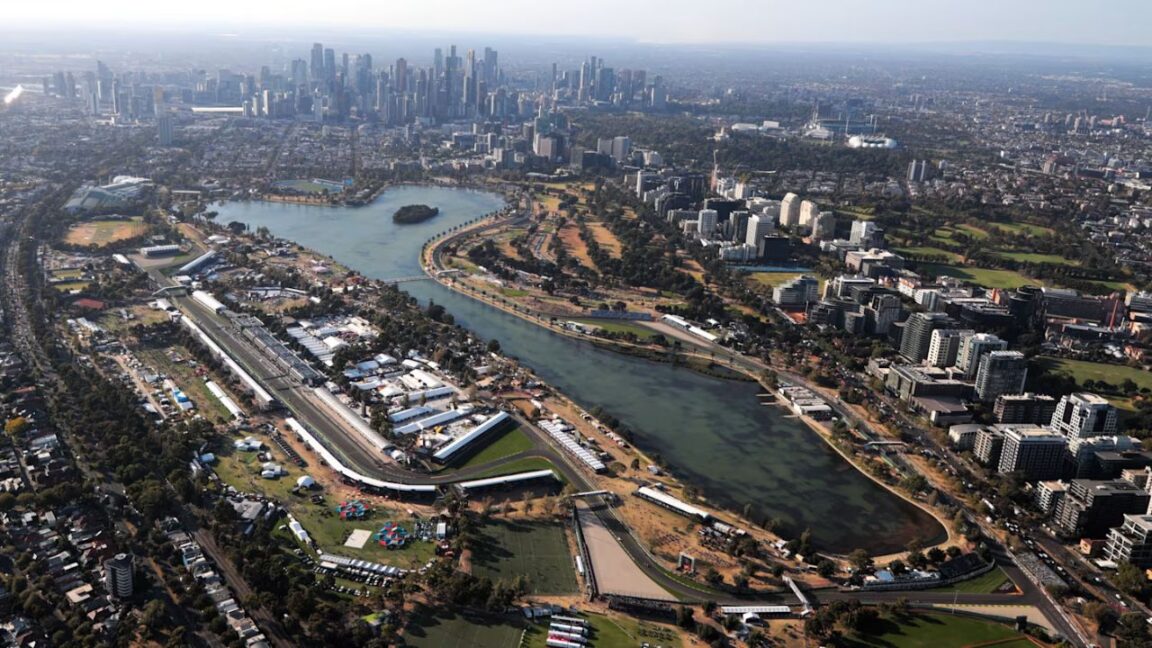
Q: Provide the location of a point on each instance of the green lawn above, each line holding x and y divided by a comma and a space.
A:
538, 551
1023, 228
931, 630
924, 251
520, 465
510, 442
987, 277
447, 629
972, 231
1112, 374
620, 326
989, 583
616, 632
773, 279
513, 293
68, 286
1029, 257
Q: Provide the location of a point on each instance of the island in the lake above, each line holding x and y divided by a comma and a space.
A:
414, 213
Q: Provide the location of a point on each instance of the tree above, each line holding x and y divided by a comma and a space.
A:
826, 568
1129, 578
493, 346
860, 559
1132, 630
897, 567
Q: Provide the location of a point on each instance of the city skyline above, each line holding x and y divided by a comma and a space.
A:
889, 22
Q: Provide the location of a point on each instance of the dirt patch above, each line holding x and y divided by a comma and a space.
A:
106, 232
606, 239
575, 247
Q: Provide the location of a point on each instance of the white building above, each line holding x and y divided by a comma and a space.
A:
790, 211
799, 291
706, 222
1084, 415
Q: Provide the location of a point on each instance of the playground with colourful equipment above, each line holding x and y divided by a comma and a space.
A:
392, 536
353, 510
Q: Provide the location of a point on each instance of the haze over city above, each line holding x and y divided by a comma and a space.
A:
767, 22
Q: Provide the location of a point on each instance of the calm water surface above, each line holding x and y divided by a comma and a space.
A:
712, 432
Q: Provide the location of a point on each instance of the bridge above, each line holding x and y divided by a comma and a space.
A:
400, 280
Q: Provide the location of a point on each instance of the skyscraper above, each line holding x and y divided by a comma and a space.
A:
316, 67
1001, 372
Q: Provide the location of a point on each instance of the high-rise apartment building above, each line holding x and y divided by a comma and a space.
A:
119, 574
917, 336
973, 348
1084, 415
790, 211
1034, 452
1001, 372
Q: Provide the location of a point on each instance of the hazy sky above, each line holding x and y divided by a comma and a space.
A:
1118, 22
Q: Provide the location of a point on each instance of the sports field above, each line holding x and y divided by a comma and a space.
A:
508, 443
104, 232
931, 630
535, 550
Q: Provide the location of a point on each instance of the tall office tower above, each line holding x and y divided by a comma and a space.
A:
863, 233
118, 575
624, 86
103, 82
329, 64
1035, 453
1001, 372
400, 76
759, 226
790, 211
164, 130
917, 336
658, 97
917, 170
584, 83
944, 345
738, 226
605, 83
824, 226
299, 72
438, 62
317, 62
808, 213
1084, 415
975, 346
707, 222
119, 101
621, 149
491, 67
